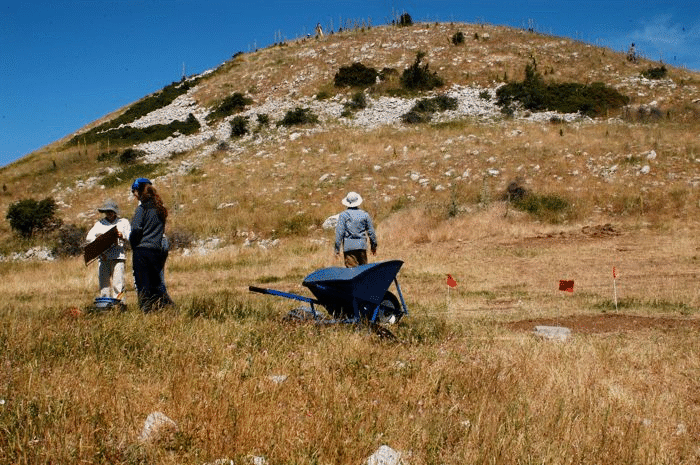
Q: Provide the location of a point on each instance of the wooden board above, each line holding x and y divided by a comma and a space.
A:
102, 243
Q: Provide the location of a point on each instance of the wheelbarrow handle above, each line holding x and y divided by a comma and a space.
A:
283, 294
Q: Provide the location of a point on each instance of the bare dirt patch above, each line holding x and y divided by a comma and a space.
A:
608, 323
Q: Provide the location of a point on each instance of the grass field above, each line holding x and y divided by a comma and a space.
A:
466, 380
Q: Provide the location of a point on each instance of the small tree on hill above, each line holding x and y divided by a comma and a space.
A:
29, 215
417, 77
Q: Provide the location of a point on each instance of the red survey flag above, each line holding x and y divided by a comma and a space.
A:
450, 281
567, 286
614, 274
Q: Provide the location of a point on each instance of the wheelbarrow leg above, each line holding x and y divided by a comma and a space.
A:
403, 302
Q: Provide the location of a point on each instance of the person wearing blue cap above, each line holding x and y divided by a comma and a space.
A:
146, 238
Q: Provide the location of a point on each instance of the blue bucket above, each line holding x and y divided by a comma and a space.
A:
107, 303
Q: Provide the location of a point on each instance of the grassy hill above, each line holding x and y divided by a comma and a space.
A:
466, 381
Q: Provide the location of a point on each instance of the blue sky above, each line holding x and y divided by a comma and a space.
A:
66, 63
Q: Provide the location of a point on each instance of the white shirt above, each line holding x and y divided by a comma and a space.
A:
116, 252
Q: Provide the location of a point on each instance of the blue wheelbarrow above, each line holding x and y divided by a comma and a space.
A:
351, 295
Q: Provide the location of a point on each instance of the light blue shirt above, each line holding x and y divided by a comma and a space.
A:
353, 228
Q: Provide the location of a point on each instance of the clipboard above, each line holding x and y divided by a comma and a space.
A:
102, 243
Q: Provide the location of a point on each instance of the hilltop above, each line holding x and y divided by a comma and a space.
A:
275, 177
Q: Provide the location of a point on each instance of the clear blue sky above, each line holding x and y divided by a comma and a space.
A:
66, 63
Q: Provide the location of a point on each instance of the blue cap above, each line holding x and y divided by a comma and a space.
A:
139, 181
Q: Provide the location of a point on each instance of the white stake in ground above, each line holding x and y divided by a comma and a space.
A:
615, 287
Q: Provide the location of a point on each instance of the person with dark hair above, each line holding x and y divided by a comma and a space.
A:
352, 231
147, 228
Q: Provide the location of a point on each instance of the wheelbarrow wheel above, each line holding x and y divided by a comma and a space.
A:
389, 309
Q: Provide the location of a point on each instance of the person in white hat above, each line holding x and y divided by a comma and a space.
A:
353, 230
111, 269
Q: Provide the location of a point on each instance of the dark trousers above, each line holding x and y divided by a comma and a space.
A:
147, 265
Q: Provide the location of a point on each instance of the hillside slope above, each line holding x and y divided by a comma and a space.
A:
279, 180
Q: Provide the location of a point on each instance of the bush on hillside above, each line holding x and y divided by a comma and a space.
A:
423, 109
458, 38
108, 156
405, 20
131, 135
549, 207
263, 119
141, 108
130, 155
536, 95
239, 126
69, 242
298, 116
28, 216
234, 103
655, 73
355, 75
417, 77
358, 102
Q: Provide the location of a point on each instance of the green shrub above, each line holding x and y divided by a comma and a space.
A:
298, 116
355, 75
141, 108
131, 135
550, 207
458, 38
263, 119
535, 95
423, 109
405, 20
108, 156
239, 126
28, 216
358, 102
655, 73
485, 95
232, 104
417, 77
69, 241
130, 155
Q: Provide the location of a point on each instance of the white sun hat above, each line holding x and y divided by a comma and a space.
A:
351, 200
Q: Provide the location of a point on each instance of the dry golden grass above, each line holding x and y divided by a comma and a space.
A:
463, 383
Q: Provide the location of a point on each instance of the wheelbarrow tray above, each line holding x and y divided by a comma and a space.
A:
366, 283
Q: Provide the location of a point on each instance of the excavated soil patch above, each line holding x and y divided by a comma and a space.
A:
607, 323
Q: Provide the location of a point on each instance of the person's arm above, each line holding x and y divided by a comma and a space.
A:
339, 233
136, 233
372, 235
93, 233
124, 228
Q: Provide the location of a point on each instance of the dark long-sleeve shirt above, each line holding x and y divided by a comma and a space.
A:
146, 227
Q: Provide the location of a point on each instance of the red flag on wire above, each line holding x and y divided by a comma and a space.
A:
565, 285
614, 274
450, 281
